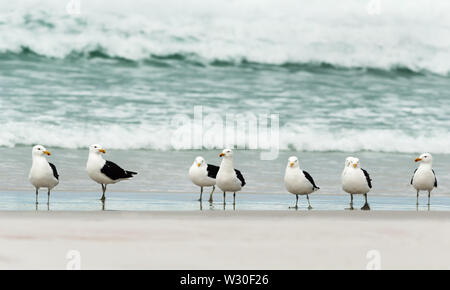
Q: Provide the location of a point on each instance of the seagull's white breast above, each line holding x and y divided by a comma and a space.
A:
424, 179
41, 174
94, 167
296, 182
226, 178
199, 176
354, 181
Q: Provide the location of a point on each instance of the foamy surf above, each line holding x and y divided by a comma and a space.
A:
404, 34
340, 78
163, 138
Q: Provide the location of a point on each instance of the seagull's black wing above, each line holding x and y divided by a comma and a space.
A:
212, 170
435, 179
412, 178
369, 180
310, 179
55, 172
240, 177
113, 171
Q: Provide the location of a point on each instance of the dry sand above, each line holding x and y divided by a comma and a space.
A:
225, 240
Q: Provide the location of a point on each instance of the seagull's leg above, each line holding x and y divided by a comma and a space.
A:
309, 204
351, 202
48, 198
417, 199
296, 202
429, 198
366, 205
37, 193
234, 198
224, 201
201, 193
103, 195
210, 196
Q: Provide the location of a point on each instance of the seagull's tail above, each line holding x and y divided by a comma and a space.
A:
316, 188
130, 174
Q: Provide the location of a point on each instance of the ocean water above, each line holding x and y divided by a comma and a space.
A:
342, 80
128, 201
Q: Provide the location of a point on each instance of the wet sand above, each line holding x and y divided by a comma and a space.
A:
226, 239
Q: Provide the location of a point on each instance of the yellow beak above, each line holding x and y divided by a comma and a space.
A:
355, 165
198, 164
221, 155
292, 164
102, 150
418, 159
47, 153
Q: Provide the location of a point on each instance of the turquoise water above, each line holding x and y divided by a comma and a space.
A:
128, 201
342, 82
339, 78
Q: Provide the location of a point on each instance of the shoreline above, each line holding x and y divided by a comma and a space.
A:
158, 201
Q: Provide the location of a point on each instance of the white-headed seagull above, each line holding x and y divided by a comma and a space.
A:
356, 180
298, 182
104, 172
229, 179
43, 174
424, 177
204, 175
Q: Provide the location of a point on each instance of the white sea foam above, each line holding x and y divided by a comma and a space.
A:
151, 137
411, 34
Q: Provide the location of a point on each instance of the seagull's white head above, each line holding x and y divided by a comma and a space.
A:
354, 162
425, 158
199, 161
348, 161
293, 162
96, 149
227, 153
39, 150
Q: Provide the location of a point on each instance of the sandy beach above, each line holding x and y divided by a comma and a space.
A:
225, 240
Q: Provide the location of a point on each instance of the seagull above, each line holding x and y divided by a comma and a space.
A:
228, 178
203, 175
103, 171
348, 162
42, 173
297, 181
356, 181
424, 177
